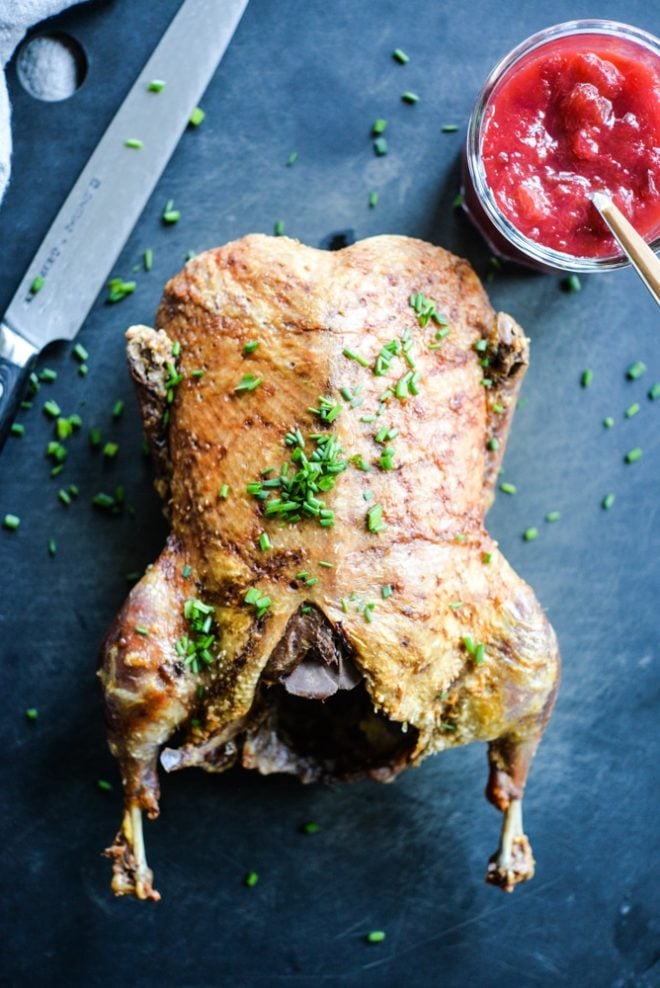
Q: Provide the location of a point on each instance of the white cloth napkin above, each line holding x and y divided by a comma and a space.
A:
16, 16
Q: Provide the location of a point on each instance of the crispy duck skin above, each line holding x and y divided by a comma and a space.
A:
333, 679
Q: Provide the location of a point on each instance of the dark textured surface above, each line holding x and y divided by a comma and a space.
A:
408, 858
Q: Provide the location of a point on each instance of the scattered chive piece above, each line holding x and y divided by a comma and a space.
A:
11, 522
310, 828
94, 437
323, 563
52, 409
278, 228
110, 450
80, 353
352, 355
82, 370
52, 547
607, 501
608, 422
479, 654
507, 488
409, 97
373, 200
17, 429
148, 259
380, 146
654, 392
117, 409
251, 346
26, 405
375, 521
571, 284
64, 497
636, 370
31, 713
386, 591
198, 373
170, 215
186, 571
400, 56
248, 383
176, 349
455, 604
141, 630
251, 879
57, 470
449, 128
37, 284
224, 492
344, 605
73, 490
587, 378
156, 86
264, 542
632, 410
197, 117
376, 936
378, 126
458, 200
293, 157
133, 142
119, 289
48, 375
530, 534
634, 455
486, 557
552, 516
104, 785
493, 444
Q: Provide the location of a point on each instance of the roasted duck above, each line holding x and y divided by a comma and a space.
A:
326, 430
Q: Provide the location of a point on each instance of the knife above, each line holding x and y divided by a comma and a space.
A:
78, 252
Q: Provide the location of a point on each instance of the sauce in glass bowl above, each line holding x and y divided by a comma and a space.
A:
572, 111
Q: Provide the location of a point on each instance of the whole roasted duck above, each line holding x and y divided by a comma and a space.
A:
327, 429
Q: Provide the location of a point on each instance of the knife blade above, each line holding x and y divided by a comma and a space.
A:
85, 238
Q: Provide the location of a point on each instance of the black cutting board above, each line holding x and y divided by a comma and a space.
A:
312, 76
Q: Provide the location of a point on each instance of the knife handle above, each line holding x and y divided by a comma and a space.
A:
16, 359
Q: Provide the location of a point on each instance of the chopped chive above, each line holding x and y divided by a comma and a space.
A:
73, 490
571, 284
37, 284
117, 409
278, 228
248, 383
323, 563
310, 828
110, 450
11, 522
608, 422
458, 200
293, 157
344, 605
375, 521
449, 128
352, 355
119, 289
587, 378
17, 429
26, 405
80, 352
632, 410
455, 604
654, 392
633, 455
507, 488
493, 444
479, 654
409, 97
64, 497
186, 571
52, 409
170, 215
141, 630
94, 437
156, 86
376, 936
82, 370
251, 879
380, 146
486, 557
386, 591
148, 259
251, 346
224, 492
498, 409
607, 501
378, 126
57, 470
31, 713
530, 534
264, 542
311, 581
104, 785
636, 370
52, 547
198, 373
373, 200
400, 56
197, 117
48, 375
133, 142
552, 516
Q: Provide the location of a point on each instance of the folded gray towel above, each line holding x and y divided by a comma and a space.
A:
16, 16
